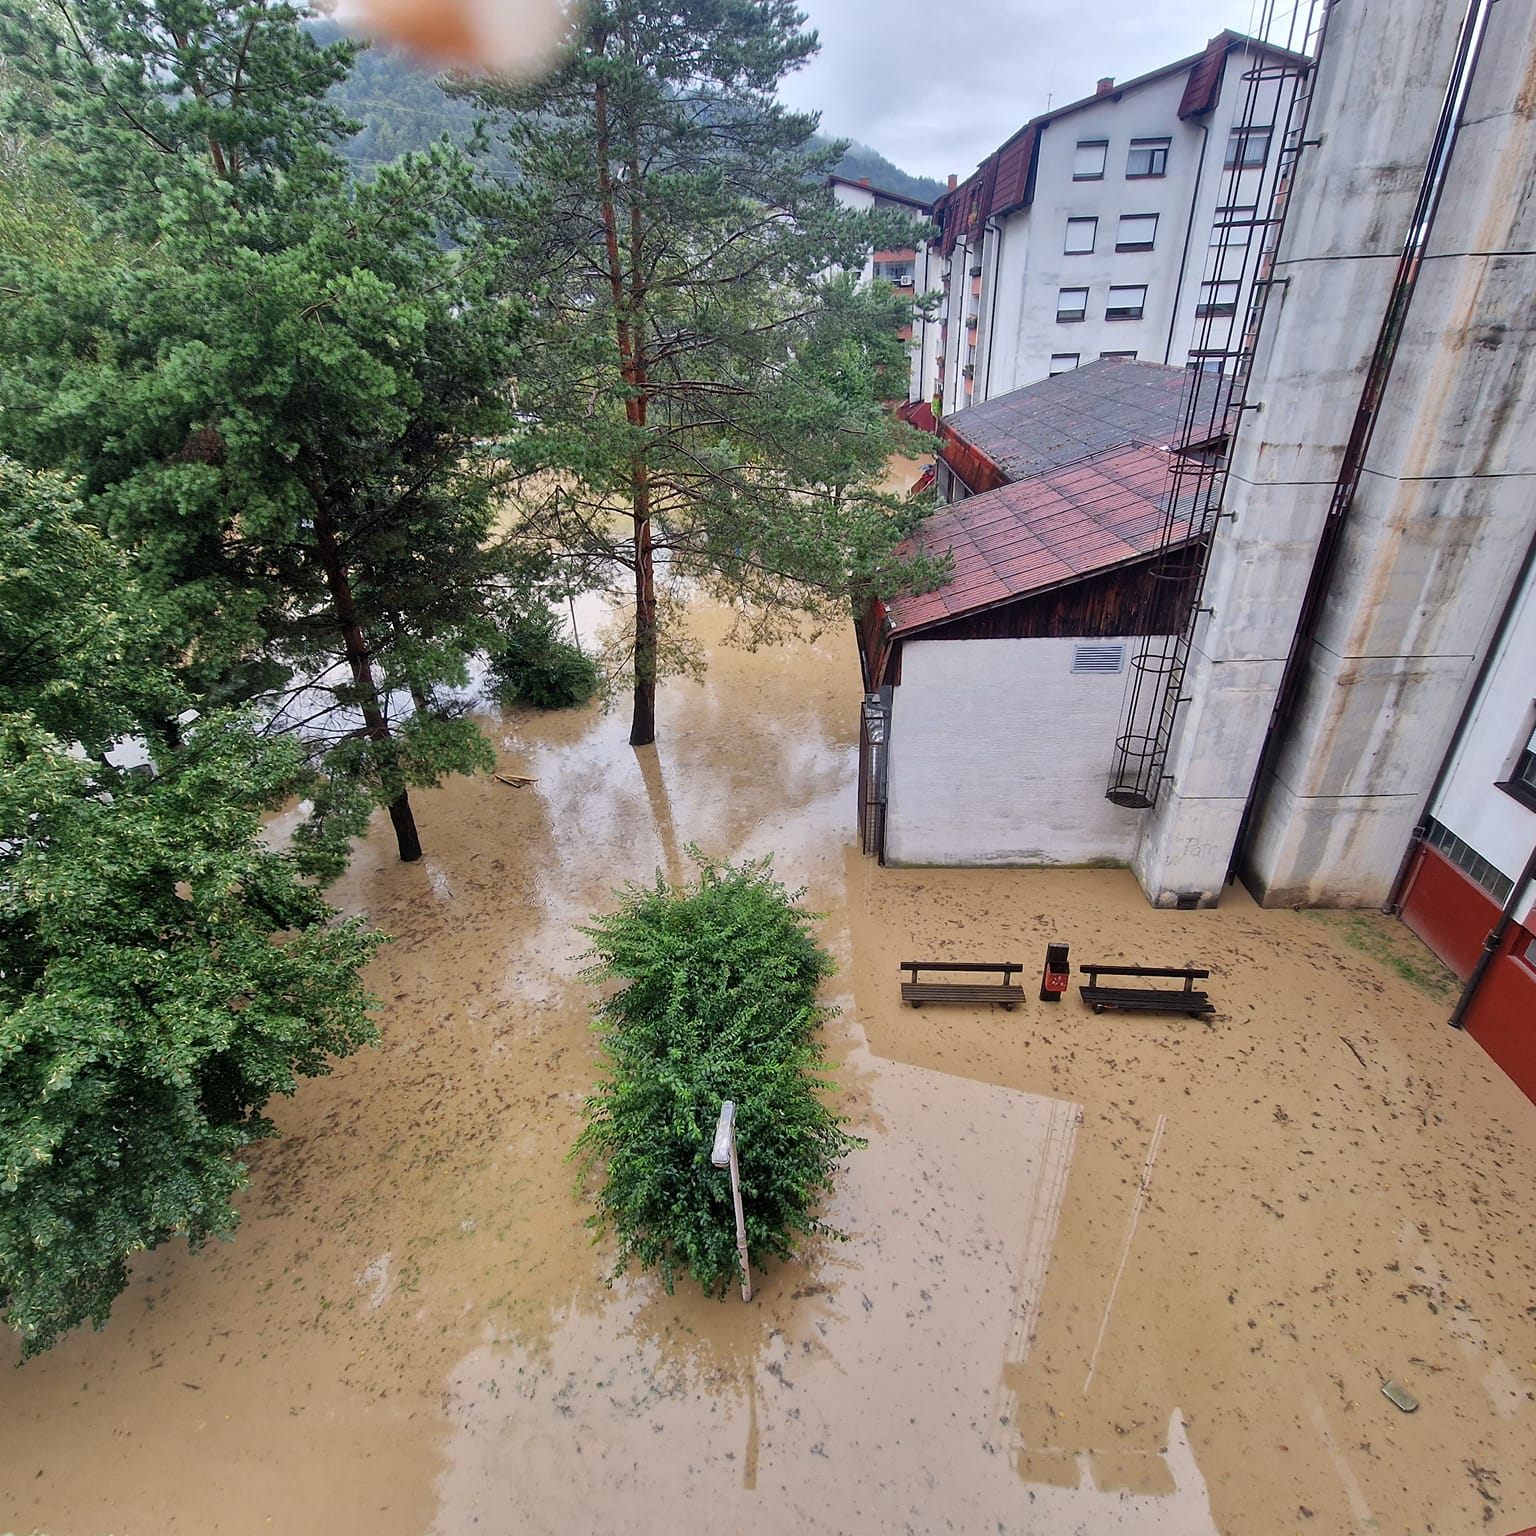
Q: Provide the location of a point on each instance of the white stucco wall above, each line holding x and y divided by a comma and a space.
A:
1494, 823
999, 754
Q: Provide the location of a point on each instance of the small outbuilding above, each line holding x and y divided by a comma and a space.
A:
993, 703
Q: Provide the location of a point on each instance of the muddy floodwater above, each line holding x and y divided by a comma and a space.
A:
1102, 1273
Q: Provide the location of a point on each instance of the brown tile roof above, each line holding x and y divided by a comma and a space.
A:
1203, 85
1044, 532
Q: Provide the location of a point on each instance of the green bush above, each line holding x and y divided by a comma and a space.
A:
534, 664
719, 1003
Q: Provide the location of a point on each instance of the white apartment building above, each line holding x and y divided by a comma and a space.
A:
1091, 232
907, 268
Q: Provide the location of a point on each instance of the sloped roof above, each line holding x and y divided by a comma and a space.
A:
1070, 415
1045, 532
890, 197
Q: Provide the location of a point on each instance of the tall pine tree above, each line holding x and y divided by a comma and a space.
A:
706, 393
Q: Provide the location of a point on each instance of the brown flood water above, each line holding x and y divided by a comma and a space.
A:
1110, 1273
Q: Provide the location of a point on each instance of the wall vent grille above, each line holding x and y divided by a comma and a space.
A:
1100, 660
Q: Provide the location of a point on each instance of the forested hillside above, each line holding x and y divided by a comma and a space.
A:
401, 108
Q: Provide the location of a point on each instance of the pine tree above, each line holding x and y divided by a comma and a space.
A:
279, 396
671, 221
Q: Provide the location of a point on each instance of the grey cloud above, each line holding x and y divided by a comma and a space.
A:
937, 87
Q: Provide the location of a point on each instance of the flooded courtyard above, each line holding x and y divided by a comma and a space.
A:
1102, 1273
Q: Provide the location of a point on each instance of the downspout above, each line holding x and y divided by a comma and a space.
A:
1490, 656
1373, 390
995, 225
1491, 944
1189, 232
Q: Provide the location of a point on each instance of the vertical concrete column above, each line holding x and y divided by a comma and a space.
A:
1379, 89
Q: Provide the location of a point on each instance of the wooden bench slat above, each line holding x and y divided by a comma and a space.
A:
1149, 999
919, 992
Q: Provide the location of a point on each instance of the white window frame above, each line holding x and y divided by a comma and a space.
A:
1068, 361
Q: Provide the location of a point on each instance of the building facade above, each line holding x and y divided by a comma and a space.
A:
1089, 233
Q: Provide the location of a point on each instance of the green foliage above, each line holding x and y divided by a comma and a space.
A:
278, 395
671, 225
719, 1002
163, 972
533, 663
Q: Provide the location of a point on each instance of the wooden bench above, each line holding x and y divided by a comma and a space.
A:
1183, 999
922, 993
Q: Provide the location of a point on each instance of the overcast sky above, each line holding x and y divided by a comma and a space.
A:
936, 85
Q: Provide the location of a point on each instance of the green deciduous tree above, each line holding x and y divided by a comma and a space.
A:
280, 397
163, 971
718, 1002
672, 225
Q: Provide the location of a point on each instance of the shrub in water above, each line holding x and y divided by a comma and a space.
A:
534, 664
719, 1002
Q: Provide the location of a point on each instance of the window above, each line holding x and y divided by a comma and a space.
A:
1137, 232
1521, 782
1129, 356
1064, 362
1126, 303
1099, 660
1248, 148
1470, 862
1217, 299
1088, 159
1208, 362
1233, 226
1072, 304
1081, 234
1148, 157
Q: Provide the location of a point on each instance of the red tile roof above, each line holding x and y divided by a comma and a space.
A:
1044, 532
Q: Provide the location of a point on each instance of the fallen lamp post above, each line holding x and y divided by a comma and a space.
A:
724, 1156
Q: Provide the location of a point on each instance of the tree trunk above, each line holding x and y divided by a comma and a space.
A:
642, 731
360, 663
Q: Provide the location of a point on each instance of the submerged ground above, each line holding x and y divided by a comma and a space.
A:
1103, 1272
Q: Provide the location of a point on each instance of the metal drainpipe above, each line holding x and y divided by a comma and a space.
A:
1378, 373
1506, 620
1491, 945
996, 227
1189, 230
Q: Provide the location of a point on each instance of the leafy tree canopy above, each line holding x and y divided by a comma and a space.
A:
163, 971
718, 1002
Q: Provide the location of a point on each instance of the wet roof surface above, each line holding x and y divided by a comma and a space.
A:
1040, 533
1103, 404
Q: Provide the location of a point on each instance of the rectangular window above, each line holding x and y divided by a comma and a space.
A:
1126, 303
1521, 782
1470, 862
1098, 660
1064, 362
1233, 225
1208, 362
1217, 299
1248, 148
1148, 157
1129, 356
1081, 234
1072, 304
1088, 159
1137, 232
